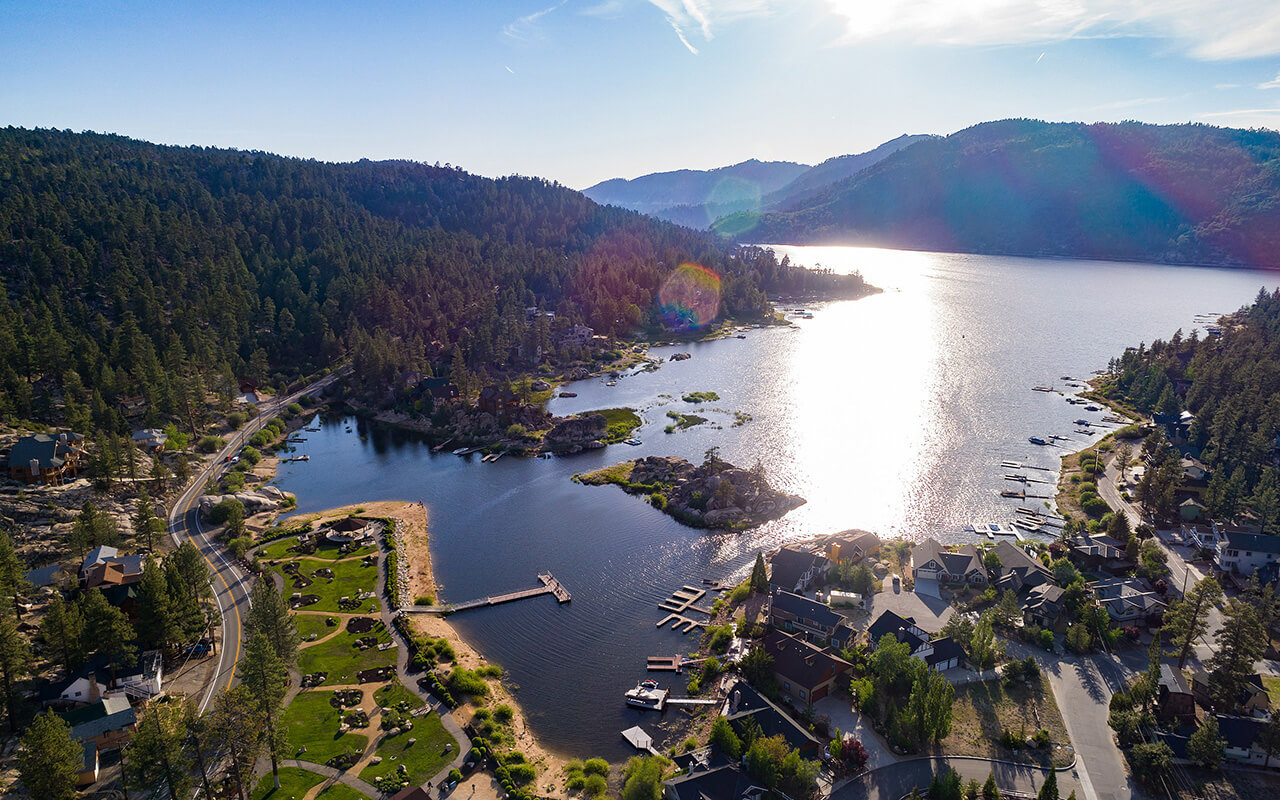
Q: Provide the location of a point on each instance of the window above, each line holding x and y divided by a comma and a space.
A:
802, 694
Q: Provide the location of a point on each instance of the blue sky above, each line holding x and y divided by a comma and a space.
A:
580, 91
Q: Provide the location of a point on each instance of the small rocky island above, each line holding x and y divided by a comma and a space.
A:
714, 494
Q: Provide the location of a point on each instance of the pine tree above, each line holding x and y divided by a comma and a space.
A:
1239, 646
237, 726
108, 632
265, 675
155, 624
49, 760
13, 580
269, 616
146, 525
62, 630
1049, 791
15, 664
989, 789
1188, 619
759, 576
157, 758
1205, 746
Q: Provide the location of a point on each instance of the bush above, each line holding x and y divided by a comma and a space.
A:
465, 681
236, 420
503, 713
596, 766
210, 444
596, 786
293, 409
424, 600
250, 456
455, 775
522, 774
717, 637
740, 593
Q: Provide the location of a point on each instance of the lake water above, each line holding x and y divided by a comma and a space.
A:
891, 413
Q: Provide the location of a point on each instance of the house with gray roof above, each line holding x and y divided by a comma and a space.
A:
45, 458
108, 723
929, 561
1241, 554
814, 620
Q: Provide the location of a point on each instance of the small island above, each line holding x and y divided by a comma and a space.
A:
714, 494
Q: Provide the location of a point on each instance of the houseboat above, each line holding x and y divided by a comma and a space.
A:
1036, 440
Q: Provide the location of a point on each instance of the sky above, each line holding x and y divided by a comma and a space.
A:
579, 91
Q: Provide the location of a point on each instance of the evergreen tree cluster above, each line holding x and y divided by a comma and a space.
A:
1231, 383
131, 269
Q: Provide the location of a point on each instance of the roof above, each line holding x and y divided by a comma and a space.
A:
799, 661
1240, 732
1171, 679
99, 554
1192, 502
725, 782
41, 447
1042, 596
90, 755
787, 566
1259, 542
45, 576
1016, 560
149, 433
745, 701
898, 627
106, 715
804, 608
960, 562
944, 649
926, 551
864, 540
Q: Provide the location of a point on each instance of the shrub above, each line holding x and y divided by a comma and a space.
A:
424, 600
465, 681
740, 593
293, 409
522, 774
596, 786
250, 455
210, 443
716, 637
503, 713
455, 775
236, 420
596, 766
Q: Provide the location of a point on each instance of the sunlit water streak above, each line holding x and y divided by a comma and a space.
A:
891, 413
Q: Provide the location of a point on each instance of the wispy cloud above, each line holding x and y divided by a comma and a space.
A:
1039, 58
705, 15
1240, 112
1206, 29
526, 28
1274, 83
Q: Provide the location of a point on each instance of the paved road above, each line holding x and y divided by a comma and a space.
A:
230, 586
896, 780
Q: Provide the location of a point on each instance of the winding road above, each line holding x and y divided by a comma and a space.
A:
229, 582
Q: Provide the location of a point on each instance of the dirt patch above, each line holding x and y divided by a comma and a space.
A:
361, 624
983, 710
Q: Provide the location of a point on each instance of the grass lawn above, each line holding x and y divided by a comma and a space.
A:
620, 422
308, 624
424, 758
341, 791
349, 579
982, 711
339, 657
1273, 689
325, 551
393, 694
294, 784
618, 473
312, 723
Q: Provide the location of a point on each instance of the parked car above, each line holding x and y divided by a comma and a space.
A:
897, 584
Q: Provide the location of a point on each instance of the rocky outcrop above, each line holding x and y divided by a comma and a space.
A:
585, 432
714, 494
268, 498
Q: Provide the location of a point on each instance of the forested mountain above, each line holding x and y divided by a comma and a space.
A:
1231, 383
653, 193
1174, 193
131, 269
837, 169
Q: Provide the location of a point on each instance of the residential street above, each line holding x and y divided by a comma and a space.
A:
892, 782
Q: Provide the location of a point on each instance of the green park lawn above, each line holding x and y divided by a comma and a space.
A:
423, 759
308, 624
341, 660
341, 791
349, 579
294, 785
311, 722
325, 551
394, 694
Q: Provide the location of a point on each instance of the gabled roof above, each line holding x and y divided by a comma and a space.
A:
106, 715
799, 661
1015, 559
725, 782
787, 565
944, 649
1046, 595
902, 629
99, 554
960, 562
46, 449
1240, 732
45, 576
804, 608
744, 701
864, 540
1256, 542
926, 551
1171, 680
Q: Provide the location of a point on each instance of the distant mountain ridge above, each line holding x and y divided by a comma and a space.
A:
1183, 194
697, 198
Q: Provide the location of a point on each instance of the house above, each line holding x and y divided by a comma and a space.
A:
52, 575
813, 620
43, 458
1019, 571
576, 336
745, 702
1129, 601
804, 672
1100, 552
1242, 553
1194, 473
1174, 700
93, 682
1191, 509
796, 570
89, 765
1204, 538
1242, 736
498, 401
108, 723
440, 389
1253, 699
939, 654
133, 406
851, 547
1043, 606
930, 562
149, 439
723, 782
104, 566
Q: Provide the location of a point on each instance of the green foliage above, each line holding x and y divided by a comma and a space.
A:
716, 637
210, 443
1205, 745
49, 759
467, 682
724, 739
700, 397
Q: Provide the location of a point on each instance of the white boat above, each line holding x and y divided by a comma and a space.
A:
641, 697
461, 450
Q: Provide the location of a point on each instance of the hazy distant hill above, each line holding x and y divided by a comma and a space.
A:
660, 190
1174, 193
837, 169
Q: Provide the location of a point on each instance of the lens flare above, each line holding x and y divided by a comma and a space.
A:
690, 297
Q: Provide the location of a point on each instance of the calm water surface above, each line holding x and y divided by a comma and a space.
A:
891, 413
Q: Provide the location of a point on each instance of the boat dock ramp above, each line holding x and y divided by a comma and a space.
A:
674, 664
1020, 465
549, 586
679, 604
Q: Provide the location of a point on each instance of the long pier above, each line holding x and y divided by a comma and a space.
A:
549, 586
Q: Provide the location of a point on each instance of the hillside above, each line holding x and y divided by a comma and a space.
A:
136, 270
837, 169
651, 194
1175, 194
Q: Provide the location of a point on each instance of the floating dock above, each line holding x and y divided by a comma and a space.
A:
677, 621
549, 586
683, 599
670, 663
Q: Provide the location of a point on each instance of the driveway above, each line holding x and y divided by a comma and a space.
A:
930, 612
845, 717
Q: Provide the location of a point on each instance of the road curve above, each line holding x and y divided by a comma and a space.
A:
230, 583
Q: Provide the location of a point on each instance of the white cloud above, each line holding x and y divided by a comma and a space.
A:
704, 15
1206, 29
1274, 83
526, 28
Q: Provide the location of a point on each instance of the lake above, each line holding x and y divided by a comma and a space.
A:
891, 413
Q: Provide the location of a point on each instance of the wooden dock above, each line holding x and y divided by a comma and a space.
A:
670, 663
677, 621
549, 586
637, 738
